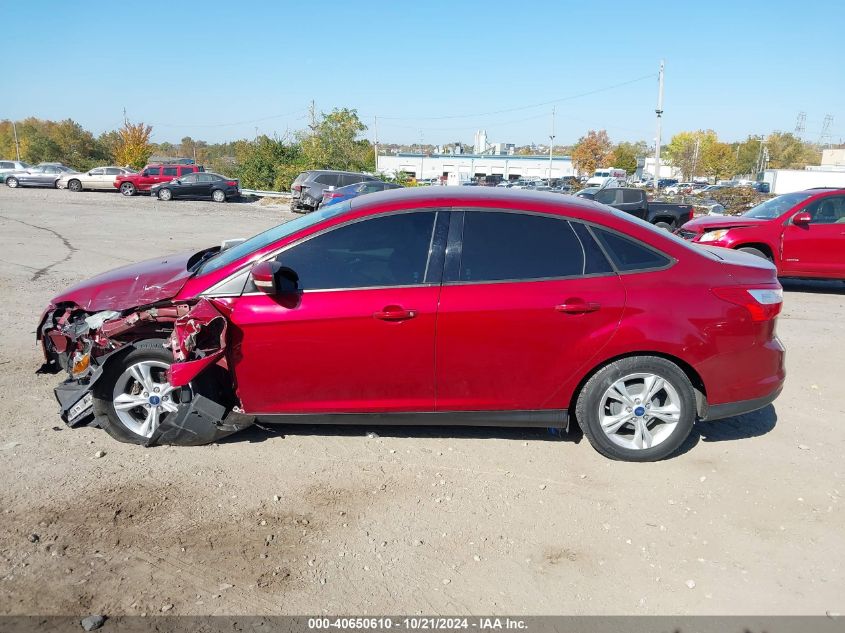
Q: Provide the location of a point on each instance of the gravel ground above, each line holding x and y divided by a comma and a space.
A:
746, 520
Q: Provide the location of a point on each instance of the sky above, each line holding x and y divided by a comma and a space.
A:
429, 71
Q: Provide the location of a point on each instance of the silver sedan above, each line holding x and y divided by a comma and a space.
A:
98, 178
43, 175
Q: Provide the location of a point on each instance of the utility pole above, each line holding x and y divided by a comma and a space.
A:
375, 126
659, 112
312, 111
695, 157
551, 145
17, 145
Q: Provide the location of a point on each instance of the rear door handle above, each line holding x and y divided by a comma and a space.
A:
577, 306
394, 313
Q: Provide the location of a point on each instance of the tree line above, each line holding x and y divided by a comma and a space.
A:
699, 153
333, 141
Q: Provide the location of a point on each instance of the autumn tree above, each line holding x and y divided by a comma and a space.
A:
133, 148
592, 150
787, 151
333, 143
718, 160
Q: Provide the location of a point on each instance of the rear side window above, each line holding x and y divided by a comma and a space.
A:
632, 195
330, 180
516, 246
6, 165
169, 171
188, 170
628, 255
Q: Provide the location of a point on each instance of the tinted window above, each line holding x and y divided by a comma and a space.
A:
594, 260
829, 210
327, 179
6, 165
607, 196
153, 171
188, 170
385, 251
169, 171
499, 246
632, 195
627, 254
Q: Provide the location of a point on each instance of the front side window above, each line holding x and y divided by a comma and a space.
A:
153, 171
830, 210
773, 207
384, 251
500, 246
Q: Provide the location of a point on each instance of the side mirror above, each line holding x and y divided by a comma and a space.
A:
802, 219
177, 181
272, 278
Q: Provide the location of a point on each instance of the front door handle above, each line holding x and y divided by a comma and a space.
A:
394, 313
577, 306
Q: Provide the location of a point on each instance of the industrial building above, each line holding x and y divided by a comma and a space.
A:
831, 173
465, 167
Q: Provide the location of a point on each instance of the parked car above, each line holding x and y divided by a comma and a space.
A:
9, 166
342, 295
130, 184
333, 196
679, 188
42, 175
635, 201
307, 189
588, 193
203, 184
704, 191
98, 178
801, 233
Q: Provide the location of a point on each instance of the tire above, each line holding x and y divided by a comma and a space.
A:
74, 185
624, 440
127, 189
12, 182
754, 251
120, 382
56, 184
664, 225
165, 195
218, 195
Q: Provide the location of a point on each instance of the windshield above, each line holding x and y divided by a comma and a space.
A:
776, 206
224, 258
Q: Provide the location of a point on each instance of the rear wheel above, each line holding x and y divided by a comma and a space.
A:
165, 194
127, 189
663, 225
74, 185
637, 409
218, 195
754, 251
12, 182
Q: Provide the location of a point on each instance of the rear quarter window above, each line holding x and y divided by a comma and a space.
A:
628, 255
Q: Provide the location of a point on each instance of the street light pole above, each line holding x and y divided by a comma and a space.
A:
659, 112
551, 145
17, 145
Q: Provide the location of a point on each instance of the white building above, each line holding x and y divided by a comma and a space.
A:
468, 166
666, 170
789, 180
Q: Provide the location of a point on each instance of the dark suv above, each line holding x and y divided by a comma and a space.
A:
307, 189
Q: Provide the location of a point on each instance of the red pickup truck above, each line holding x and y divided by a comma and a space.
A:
130, 184
802, 233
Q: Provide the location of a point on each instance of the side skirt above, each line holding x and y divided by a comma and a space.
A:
543, 418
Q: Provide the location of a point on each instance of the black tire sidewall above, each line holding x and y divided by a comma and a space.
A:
750, 250
151, 349
588, 404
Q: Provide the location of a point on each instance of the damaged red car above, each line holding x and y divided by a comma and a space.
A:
428, 306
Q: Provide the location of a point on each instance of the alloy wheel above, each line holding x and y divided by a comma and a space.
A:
218, 196
639, 411
164, 194
142, 397
12, 182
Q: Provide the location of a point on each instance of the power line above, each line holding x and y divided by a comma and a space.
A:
516, 109
205, 125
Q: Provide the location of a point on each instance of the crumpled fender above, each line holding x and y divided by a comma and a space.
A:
197, 342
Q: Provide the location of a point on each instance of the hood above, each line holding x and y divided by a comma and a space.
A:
130, 286
709, 222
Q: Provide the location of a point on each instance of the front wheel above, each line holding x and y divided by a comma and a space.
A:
127, 189
754, 251
165, 194
75, 186
663, 225
218, 195
12, 182
638, 409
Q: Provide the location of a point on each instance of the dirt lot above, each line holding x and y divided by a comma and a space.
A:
747, 520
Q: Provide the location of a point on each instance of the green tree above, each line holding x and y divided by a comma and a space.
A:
718, 160
332, 143
624, 155
267, 163
683, 155
787, 151
592, 150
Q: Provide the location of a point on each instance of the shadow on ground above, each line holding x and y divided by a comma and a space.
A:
812, 286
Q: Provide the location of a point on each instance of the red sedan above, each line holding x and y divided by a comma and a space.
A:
802, 233
444, 305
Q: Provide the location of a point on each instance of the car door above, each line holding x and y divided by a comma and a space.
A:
48, 176
106, 181
149, 176
204, 185
187, 185
359, 336
817, 248
92, 179
527, 301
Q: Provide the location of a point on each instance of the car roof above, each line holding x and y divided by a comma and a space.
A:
458, 196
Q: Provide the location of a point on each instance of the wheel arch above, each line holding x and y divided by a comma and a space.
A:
694, 378
760, 246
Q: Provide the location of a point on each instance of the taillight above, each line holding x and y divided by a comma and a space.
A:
232, 183
297, 187
328, 195
763, 304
